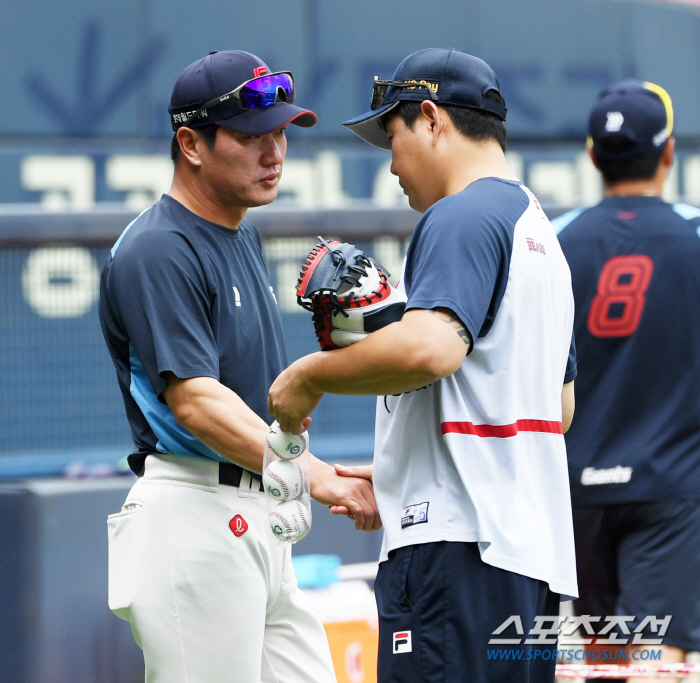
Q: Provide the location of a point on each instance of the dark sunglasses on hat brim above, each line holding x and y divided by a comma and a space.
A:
257, 93
379, 89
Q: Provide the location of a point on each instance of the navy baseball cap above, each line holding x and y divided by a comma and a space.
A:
639, 112
445, 76
220, 73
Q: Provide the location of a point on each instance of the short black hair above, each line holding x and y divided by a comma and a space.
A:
472, 123
636, 169
208, 133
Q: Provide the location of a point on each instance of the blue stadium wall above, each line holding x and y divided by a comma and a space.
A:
107, 69
95, 78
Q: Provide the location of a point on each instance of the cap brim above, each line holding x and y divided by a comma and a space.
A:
367, 126
252, 122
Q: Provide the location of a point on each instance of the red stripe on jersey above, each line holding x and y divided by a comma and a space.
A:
503, 431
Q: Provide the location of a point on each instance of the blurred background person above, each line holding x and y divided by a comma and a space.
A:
634, 445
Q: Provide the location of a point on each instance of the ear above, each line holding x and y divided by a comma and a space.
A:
591, 154
669, 151
434, 116
190, 145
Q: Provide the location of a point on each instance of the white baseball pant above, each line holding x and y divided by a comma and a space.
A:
207, 605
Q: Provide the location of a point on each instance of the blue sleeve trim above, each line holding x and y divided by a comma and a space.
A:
126, 229
172, 438
560, 222
687, 211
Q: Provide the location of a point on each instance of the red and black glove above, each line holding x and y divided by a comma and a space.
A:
348, 293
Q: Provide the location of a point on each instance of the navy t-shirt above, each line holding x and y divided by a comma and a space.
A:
180, 294
635, 267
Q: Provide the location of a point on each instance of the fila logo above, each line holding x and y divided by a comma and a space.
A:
259, 71
415, 514
237, 296
402, 642
614, 122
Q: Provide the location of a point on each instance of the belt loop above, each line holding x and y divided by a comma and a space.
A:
248, 487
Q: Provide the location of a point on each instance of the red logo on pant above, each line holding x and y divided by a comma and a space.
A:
238, 525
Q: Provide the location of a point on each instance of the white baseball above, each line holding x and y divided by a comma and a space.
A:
283, 479
286, 445
290, 521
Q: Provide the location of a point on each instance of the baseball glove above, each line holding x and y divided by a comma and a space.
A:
348, 293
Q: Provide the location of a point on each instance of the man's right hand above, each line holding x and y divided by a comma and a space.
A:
346, 493
361, 471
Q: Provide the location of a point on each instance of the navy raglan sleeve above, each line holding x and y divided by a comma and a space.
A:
165, 306
461, 264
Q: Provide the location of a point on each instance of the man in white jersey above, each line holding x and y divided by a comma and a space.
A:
475, 387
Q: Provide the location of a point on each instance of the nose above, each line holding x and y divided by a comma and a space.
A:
273, 152
392, 169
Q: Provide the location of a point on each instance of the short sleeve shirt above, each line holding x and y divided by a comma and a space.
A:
463, 458
183, 295
635, 267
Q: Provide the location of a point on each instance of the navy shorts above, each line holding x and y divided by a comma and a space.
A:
439, 605
642, 559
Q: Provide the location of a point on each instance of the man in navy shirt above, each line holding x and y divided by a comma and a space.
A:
634, 447
193, 328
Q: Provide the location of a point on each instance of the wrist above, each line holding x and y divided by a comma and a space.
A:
309, 373
318, 471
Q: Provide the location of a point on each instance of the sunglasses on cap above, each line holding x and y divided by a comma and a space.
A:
379, 89
257, 93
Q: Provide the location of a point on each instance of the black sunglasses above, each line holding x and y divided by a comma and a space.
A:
379, 89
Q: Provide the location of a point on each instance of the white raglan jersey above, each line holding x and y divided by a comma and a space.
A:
479, 456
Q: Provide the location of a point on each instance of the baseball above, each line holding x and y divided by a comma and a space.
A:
286, 445
290, 521
283, 479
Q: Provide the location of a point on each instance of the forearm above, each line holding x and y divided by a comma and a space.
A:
404, 356
379, 365
568, 405
220, 419
423, 347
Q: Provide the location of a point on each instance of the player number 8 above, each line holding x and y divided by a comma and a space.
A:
617, 307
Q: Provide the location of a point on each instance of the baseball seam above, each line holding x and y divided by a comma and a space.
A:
284, 521
300, 510
304, 446
280, 481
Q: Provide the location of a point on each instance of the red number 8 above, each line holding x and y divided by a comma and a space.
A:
623, 281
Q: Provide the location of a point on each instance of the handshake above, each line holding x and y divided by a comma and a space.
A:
288, 484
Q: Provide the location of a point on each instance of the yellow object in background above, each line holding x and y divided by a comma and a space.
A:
354, 650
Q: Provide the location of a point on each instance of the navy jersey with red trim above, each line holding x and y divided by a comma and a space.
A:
635, 268
183, 295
